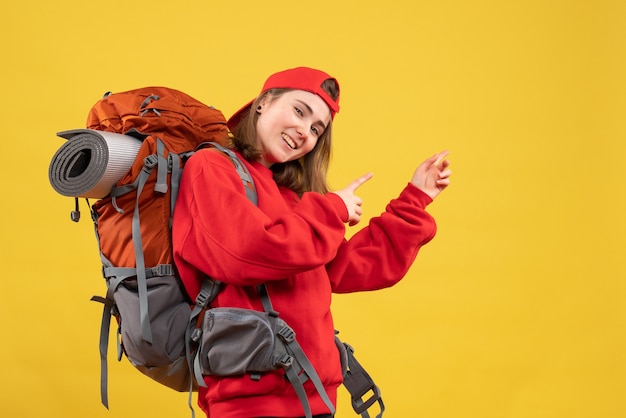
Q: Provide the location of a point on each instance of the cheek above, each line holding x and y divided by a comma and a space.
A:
269, 121
310, 144
261, 129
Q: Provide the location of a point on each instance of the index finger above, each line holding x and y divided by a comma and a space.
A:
355, 184
441, 156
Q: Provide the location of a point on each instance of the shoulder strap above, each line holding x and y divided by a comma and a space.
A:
359, 383
243, 172
298, 359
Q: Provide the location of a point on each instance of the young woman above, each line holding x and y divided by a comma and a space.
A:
293, 241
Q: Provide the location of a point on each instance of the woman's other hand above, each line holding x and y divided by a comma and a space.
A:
433, 175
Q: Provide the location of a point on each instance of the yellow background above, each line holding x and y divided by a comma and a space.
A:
515, 310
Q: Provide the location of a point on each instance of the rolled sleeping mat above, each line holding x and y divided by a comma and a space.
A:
91, 162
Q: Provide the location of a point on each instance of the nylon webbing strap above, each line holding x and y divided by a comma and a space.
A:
160, 270
121, 190
265, 299
295, 349
359, 383
243, 172
288, 337
161, 180
298, 386
142, 284
176, 170
105, 326
112, 283
209, 290
150, 163
115, 276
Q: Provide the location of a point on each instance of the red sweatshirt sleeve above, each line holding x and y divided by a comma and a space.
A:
379, 255
217, 231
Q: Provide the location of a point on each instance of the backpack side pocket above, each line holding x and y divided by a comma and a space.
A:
236, 341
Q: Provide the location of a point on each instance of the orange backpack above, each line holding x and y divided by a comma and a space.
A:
133, 222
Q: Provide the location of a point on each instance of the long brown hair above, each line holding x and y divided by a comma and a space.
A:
308, 173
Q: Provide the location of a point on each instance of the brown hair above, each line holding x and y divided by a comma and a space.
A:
305, 174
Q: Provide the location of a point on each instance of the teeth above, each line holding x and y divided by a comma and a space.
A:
289, 141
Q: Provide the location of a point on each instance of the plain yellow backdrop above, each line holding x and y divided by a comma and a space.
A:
515, 310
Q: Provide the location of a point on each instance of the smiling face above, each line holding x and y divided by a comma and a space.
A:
289, 125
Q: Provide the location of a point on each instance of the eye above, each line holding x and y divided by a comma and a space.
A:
298, 110
315, 130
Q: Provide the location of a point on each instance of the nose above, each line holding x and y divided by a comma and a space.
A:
303, 132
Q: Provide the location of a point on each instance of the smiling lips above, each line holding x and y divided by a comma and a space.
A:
289, 141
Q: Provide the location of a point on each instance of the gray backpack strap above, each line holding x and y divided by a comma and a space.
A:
359, 383
243, 172
119, 191
114, 278
210, 289
176, 170
287, 336
126, 272
162, 167
297, 384
104, 346
142, 285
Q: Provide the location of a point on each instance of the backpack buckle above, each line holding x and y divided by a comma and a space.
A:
196, 334
150, 162
162, 270
202, 298
287, 334
207, 292
285, 361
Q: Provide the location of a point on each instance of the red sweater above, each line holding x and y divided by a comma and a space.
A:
295, 245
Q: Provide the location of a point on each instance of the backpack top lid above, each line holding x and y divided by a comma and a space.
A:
161, 111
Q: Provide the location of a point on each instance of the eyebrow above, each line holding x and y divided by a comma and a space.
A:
311, 112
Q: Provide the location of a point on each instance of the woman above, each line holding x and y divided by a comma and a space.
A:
294, 239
